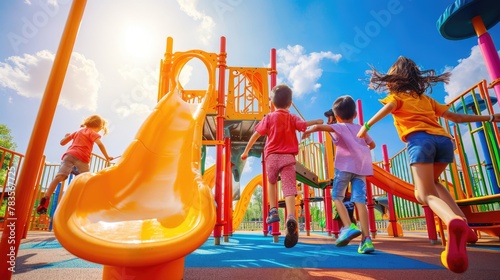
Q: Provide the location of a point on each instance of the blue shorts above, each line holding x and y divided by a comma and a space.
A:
341, 181
427, 148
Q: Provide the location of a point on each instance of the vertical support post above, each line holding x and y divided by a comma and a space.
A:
489, 52
165, 69
18, 213
431, 225
265, 198
219, 135
228, 192
274, 72
328, 210
369, 192
390, 200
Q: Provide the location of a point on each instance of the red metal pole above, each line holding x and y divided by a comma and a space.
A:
390, 200
17, 213
328, 210
265, 198
369, 192
219, 135
274, 72
228, 192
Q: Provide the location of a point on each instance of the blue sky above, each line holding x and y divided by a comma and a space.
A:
324, 49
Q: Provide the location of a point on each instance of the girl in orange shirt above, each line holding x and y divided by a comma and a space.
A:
430, 147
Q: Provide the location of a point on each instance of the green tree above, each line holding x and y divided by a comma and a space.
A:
7, 142
6, 139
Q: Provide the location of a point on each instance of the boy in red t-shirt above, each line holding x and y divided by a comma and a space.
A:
280, 150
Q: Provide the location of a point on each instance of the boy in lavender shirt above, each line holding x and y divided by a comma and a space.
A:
353, 162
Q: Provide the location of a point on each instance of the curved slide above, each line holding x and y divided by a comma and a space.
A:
141, 217
391, 184
246, 196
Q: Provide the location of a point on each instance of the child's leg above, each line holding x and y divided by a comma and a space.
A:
290, 205
271, 193
63, 173
342, 211
53, 185
363, 219
445, 195
454, 257
340, 183
289, 188
425, 176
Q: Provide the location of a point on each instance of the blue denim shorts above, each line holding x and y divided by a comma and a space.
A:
427, 148
341, 181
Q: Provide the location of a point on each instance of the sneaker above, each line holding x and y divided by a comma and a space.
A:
292, 232
42, 207
454, 257
347, 234
472, 236
273, 216
366, 246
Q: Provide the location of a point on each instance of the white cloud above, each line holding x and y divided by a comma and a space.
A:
141, 83
207, 25
28, 76
301, 70
467, 73
248, 165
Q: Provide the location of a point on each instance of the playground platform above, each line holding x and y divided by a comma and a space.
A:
250, 255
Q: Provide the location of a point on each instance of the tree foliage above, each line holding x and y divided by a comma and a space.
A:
6, 139
7, 142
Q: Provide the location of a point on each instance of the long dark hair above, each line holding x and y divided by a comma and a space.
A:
405, 77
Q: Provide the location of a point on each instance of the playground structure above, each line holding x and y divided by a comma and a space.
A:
213, 117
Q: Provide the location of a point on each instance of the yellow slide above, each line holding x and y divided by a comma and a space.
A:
246, 196
141, 217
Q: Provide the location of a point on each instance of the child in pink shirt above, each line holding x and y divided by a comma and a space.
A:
353, 163
280, 150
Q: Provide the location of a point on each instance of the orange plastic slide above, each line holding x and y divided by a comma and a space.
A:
141, 217
391, 184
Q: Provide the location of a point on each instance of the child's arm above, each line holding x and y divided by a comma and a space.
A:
66, 139
372, 145
318, 121
250, 143
103, 149
386, 110
317, 127
461, 118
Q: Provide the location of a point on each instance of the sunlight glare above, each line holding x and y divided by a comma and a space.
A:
137, 41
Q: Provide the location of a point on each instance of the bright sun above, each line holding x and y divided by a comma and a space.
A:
137, 41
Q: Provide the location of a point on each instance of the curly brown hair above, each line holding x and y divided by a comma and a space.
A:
96, 121
405, 77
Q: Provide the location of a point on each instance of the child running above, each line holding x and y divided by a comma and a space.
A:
430, 147
280, 150
78, 154
353, 162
